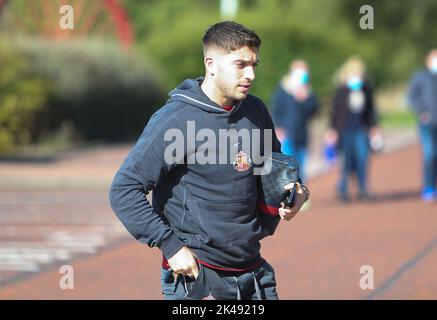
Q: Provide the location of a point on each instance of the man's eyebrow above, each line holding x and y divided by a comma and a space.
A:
245, 61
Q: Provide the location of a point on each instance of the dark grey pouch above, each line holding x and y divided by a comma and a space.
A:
284, 169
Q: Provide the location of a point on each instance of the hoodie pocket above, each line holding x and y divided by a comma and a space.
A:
191, 223
228, 225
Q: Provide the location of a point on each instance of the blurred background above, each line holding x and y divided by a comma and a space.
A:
72, 102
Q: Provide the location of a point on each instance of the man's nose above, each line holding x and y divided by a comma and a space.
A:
249, 73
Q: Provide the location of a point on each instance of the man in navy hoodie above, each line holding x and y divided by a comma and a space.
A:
204, 215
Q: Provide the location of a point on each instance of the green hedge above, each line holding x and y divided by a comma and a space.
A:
83, 90
22, 97
105, 93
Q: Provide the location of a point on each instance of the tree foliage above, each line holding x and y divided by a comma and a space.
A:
325, 32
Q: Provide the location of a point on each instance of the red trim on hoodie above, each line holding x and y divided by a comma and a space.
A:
166, 266
231, 269
265, 208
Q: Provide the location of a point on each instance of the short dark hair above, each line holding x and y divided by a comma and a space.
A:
230, 36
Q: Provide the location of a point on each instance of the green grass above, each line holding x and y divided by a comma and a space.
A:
397, 119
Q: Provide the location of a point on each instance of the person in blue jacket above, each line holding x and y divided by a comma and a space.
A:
422, 96
293, 105
204, 215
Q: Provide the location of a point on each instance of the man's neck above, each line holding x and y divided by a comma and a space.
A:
214, 94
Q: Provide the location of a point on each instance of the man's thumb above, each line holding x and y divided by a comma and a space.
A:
195, 271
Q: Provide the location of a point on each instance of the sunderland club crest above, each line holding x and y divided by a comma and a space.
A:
242, 162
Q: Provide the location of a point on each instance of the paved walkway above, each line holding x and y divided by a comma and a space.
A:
55, 211
317, 255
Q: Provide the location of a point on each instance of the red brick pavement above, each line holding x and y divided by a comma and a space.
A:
317, 255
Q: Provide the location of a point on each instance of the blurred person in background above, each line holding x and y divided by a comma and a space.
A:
293, 105
353, 121
422, 96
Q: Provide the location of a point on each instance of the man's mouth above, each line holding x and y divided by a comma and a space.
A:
245, 87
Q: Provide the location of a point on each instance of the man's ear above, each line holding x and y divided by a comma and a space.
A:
210, 62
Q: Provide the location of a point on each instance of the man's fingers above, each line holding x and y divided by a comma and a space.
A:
286, 213
289, 186
288, 216
187, 270
195, 272
288, 210
192, 272
183, 262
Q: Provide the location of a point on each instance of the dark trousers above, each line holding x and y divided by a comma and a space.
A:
428, 136
355, 148
258, 284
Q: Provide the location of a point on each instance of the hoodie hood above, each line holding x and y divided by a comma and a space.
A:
190, 93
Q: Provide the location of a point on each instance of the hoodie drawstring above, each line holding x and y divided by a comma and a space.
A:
257, 290
238, 289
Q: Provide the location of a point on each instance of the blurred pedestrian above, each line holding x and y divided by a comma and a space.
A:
293, 105
353, 121
422, 96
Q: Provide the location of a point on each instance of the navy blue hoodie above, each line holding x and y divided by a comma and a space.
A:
293, 115
211, 208
422, 94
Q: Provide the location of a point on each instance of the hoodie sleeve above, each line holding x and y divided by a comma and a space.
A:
415, 93
372, 115
312, 106
277, 106
137, 176
334, 116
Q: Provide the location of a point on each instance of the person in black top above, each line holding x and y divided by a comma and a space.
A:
353, 120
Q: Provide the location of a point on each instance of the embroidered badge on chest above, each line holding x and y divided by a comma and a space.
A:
242, 162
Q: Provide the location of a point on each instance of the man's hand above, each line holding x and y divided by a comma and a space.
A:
300, 198
374, 131
331, 136
184, 262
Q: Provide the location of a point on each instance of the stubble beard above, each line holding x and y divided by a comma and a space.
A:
230, 91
